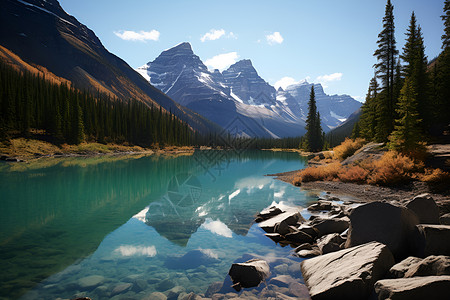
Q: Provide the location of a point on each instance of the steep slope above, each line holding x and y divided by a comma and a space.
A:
246, 85
337, 135
41, 33
181, 74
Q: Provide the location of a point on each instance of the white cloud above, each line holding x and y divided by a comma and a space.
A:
330, 77
212, 35
217, 227
222, 61
141, 36
274, 38
130, 250
215, 34
287, 81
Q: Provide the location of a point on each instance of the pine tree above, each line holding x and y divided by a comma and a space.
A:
77, 123
446, 18
386, 55
406, 137
442, 101
313, 139
368, 119
415, 68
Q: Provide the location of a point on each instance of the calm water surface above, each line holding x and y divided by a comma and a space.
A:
124, 227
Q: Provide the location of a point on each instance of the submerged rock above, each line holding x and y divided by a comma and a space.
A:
192, 259
121, 288
391, 225
347, 274
155, 296
249, 274
428, 287
90, 282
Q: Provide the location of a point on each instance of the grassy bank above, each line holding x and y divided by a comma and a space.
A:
26, 149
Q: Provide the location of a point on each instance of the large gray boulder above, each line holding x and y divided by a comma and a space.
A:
249, 274
428, 287
330, 225
425, 208
430, 266
289, 217
398, 270
391, 225
348, 273
432, 240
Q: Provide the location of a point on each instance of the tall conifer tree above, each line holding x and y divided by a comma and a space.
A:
407, 136
415, 68
386, 55
313, 139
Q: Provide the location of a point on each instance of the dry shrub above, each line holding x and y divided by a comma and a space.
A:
348, 148
393, 168
316, 158
328, 154
353, 174
325, 172
435, 176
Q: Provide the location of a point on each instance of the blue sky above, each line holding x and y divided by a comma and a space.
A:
327, 41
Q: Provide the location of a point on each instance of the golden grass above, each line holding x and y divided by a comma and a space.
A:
348, 148
26, 148
326, 172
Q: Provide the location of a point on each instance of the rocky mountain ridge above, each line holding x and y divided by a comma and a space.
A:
239, 92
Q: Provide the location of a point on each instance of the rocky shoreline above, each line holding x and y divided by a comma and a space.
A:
378, 249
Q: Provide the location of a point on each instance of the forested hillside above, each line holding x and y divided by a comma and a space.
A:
30, 104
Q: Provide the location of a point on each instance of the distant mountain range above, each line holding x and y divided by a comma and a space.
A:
239, 99
40, 33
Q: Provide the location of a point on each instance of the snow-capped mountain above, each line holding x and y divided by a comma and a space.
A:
246, 86
240, 100
181, 74
333, 109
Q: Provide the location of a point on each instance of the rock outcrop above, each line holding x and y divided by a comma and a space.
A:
428, 287
391, 225
425, 208
432, 240
347, 274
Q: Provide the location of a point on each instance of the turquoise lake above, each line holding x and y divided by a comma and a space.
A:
123, 227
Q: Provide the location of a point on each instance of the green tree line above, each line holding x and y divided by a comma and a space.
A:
408, 100
29, 102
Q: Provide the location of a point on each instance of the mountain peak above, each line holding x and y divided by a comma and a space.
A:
243, 63
184, 48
